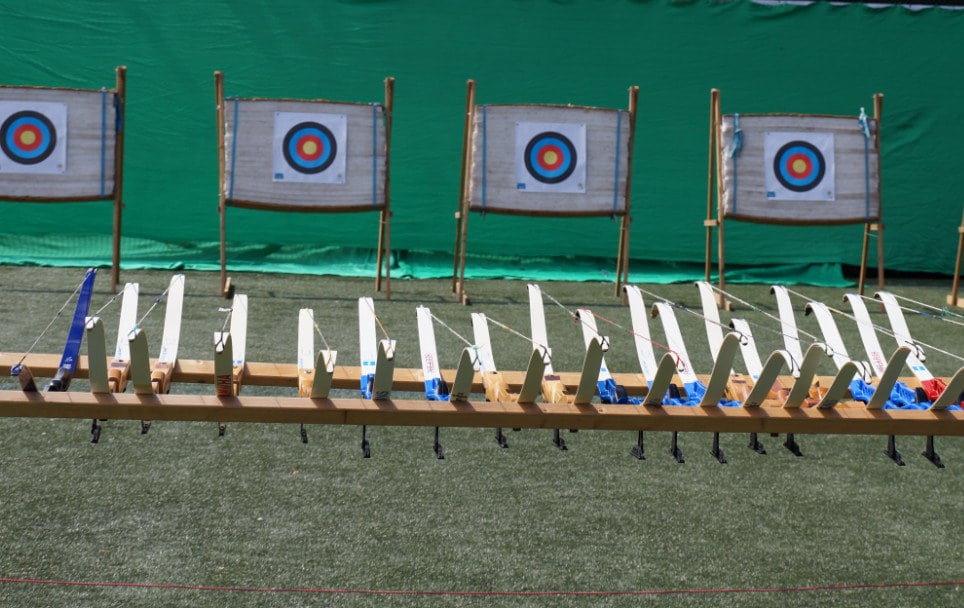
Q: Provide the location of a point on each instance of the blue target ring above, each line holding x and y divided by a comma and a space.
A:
28, 137
309, 147
550, 157
799, 166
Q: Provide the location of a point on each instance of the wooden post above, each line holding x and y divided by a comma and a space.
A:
121, 92
711, 166
385, 218
952, 299
222, 202
877, 226
462, 215
878, 110
622, 254
716, 153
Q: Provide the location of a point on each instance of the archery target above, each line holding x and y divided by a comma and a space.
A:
33, 137
550, 157
310, 147
799, 166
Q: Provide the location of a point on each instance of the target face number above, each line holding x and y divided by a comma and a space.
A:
309, 147
33, 137
800, 166
550, 157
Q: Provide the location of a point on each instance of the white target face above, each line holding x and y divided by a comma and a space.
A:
33, 137
550, 157
799, 166
310, 147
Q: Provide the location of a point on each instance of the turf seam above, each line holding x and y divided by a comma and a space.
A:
480, 593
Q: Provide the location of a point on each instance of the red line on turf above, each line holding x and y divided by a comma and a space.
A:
640, 592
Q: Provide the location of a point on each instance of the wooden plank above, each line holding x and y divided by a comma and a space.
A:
197, 371
286, 410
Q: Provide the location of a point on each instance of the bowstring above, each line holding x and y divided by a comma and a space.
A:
157, 301
941, 311
744, 339
473, 347
378, 321
769, 315
544, 348
52, 321
578, 319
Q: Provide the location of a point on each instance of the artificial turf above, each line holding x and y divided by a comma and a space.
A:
181, 517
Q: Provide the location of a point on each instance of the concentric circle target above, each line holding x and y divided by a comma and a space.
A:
550, 157
28, 137
799, 166
309, 147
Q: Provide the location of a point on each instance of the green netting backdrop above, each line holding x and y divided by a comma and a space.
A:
813, 59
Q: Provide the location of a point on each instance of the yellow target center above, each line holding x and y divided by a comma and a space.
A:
27, 138
550, 157
799, 166
309, 148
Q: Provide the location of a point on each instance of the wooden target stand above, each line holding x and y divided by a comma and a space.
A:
465, 203
120, 93
954, 298
383, 246
715, 213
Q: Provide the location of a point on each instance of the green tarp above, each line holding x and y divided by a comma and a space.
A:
812, 59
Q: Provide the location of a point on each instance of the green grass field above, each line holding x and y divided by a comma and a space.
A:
180, 517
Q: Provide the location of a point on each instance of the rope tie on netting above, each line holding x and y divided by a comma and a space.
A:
43, 333
736, 146
865, 129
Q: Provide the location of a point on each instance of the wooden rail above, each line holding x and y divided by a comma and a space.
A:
294, 410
